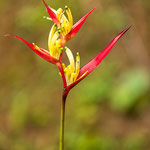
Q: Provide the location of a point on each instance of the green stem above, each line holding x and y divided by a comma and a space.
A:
62, 121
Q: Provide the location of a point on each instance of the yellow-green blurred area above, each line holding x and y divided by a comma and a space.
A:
108, 110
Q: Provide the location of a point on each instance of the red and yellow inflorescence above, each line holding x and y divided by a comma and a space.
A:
61, 32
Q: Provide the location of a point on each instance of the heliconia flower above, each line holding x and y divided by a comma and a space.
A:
85, 70
54, 43
72, 70
40, 51
65, 24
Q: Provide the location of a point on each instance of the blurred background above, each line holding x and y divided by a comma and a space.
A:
109, 110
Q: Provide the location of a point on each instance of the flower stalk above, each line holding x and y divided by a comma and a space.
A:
62, 119
62, 124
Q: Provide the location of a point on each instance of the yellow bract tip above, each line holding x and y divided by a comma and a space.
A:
66, 7
36, 47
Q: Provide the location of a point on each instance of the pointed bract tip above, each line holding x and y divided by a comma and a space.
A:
93, 8
66, 7
125, 30
51, 13
7, 35
128, 28
90, 12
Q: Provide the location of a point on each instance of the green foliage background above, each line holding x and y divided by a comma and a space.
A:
109, 110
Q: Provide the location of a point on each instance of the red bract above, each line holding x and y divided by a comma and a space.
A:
40, 51
85, 70
77, 26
